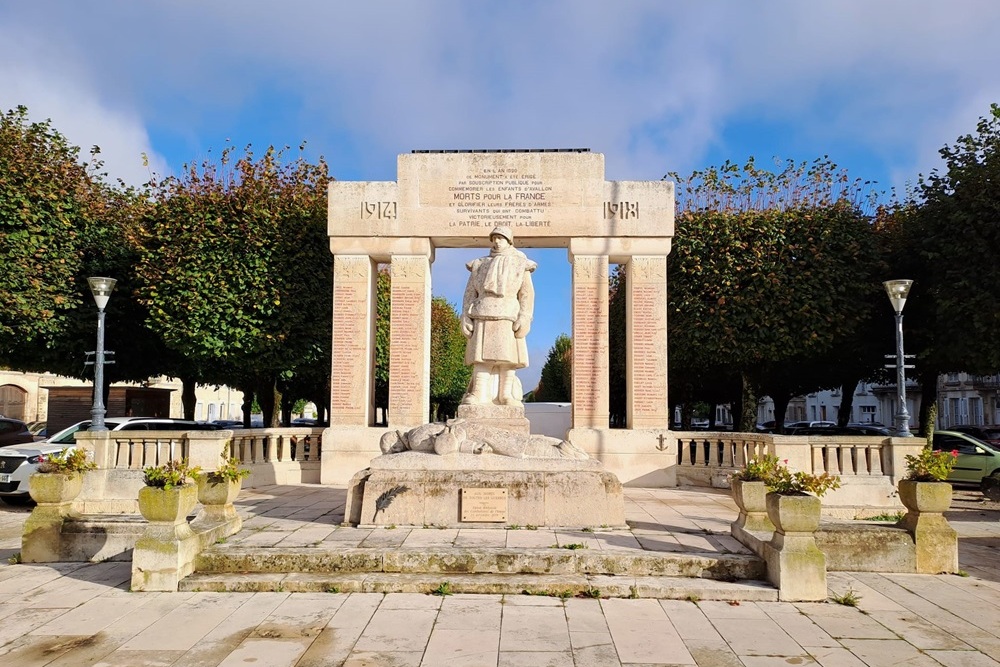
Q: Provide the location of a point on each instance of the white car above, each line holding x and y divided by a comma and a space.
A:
17, 462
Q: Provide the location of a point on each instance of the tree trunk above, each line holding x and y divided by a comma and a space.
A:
286, 409
269, 398
188, 398
928, 395
847, 400
781, 401
247, 407
748, 406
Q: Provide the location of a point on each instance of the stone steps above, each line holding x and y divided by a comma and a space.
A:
553, 585
559, 572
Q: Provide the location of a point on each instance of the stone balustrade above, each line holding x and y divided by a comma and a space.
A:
869, 467
273, 456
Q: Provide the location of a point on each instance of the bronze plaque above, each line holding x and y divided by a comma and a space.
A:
487, 505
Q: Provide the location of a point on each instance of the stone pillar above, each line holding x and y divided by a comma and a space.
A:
410, 341
646, 343
590, 341
353, 340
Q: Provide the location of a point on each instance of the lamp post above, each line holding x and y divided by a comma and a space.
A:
898, 291
101, 289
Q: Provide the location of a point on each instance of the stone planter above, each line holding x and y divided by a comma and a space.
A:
934, 497
217, 497
167, 506
935, 540
751, 498
165, 553
794, 563
41, 537
794, 513
47, 488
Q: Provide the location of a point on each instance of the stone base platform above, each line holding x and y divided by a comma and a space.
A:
416, 489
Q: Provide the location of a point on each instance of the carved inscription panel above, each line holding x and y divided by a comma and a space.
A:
537, 194
590, 342
351, 338
409, 342
647, 359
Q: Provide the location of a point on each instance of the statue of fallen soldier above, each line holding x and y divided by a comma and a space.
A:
460, 435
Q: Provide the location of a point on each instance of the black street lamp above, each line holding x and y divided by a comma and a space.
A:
101, 289
898, 291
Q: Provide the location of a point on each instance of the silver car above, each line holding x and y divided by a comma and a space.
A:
17, 462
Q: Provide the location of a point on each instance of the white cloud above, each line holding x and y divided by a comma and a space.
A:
55, 84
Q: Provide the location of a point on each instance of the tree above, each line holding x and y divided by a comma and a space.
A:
770, 272
555, 382
955, 230
236, 272
61, 222
449, 374
45, 195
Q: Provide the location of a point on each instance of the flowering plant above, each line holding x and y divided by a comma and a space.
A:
229, 471
930, 465
66, 462
757, 468
784, 481
169, 475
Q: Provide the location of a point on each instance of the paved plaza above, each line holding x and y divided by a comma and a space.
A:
78, 615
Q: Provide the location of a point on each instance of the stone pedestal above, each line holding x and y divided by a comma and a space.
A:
54, 494
165, 553
416, 489
936, 541
506, 417
795, 565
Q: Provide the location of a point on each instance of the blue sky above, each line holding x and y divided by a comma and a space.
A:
656, 86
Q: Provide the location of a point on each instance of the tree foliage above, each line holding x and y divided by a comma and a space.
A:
449, 374
235, 268
770, 272
951, 237
556, 381
46, 196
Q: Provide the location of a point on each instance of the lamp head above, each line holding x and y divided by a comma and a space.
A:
897, 290
101, 289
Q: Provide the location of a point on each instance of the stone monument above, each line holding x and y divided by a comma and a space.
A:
545, 198
485, 467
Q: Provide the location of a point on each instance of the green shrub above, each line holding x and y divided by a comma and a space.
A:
169, 475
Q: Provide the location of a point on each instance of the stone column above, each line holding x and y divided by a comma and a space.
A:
410, 341
353, 344
646, 343
590, 341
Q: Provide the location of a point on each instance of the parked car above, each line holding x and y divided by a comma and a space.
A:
14, 431
39, 430
839, 430
990, 434
17, 462
303, 421
976, 458
809, 424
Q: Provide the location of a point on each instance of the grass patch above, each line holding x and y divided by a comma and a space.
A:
444, 589
572, 547
848, 599
591, 592
888, 516
15, 559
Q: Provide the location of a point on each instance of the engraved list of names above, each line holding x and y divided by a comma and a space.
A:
500, 195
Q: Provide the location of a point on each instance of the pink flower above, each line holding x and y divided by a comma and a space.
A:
954, 453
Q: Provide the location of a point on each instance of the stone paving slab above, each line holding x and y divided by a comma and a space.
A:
919, 620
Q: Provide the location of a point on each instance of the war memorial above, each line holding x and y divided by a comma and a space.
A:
414, 502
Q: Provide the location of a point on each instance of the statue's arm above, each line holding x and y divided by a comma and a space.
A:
467, 299
526, 307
